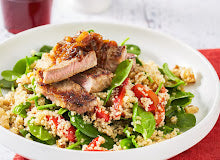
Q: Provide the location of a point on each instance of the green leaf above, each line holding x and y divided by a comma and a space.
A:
84, 127
91, 30
38, 54
81, 140
126, 143
49, 142
166, 129
143, 121
21, 109
134, 49
169, 74
20, 66
180, 98
172, 85
121, 74
10, 75
6, 84
46, 49
185, 121
39, 132
89, 130
62, 111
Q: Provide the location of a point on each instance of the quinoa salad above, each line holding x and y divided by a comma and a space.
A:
92, 94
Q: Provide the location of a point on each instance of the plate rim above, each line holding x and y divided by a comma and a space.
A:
205, 119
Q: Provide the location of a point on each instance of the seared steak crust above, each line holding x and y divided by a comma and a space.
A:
70, 95
94, 80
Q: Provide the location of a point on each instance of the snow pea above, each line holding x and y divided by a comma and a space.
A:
121, 74
89, 130
39, 132
46, 48
143, 121
21, 109
81, 140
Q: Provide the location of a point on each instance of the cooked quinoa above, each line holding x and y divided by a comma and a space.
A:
114, 123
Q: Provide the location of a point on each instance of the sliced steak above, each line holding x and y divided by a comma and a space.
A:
68, 68
94, 80
108, 53
70, 95
79, 53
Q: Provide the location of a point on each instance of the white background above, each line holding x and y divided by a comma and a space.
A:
195, 22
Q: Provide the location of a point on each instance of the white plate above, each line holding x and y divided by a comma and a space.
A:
155, 46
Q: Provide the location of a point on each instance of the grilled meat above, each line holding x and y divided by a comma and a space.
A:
70, 95
94, 80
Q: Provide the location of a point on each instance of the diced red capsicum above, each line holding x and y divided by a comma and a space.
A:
69, 134
100, 113
95, 145
140, 91
118, 98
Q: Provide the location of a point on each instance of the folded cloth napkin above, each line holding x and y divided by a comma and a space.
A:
209, 147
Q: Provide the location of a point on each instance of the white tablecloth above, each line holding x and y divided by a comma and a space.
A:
195, 22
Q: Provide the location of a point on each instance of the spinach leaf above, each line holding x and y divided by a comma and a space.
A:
1, 92
39, 132
46, 49
29, 61
126, 143
172, 85
81, 140
47, 106
21, 109
89, 130
20, 66
62, 111
121, 74
84, 127
171, 76
37, 54
10, 75
6, 84
91, 30
143, 121
180, 98
49, 142
166, 129
130, 136
185, 121
123, 43
134, 49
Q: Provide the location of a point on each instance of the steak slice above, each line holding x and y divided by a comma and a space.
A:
70, 95
109, 54
68, 68
94, 80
